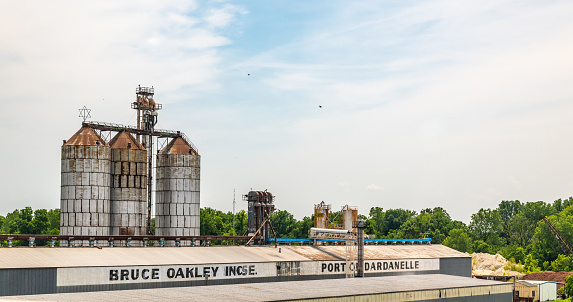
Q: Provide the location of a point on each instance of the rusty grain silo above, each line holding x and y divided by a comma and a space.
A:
128, 194
177, 190
321, 212
85, 195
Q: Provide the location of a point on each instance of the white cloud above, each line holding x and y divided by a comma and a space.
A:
374, 187
221, 17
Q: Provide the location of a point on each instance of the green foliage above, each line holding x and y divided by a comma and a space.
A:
27, 221
562, 264
514, 253
486, 225
559, 205
508, 208
381, 223
520, 230
531, 264
283, 223
569, 286
459, 240
545, 246
479, 246
214, 222
302, 227
433, 223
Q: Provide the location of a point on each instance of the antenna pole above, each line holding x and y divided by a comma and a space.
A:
233, 215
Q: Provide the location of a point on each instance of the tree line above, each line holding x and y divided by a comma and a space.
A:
513, 229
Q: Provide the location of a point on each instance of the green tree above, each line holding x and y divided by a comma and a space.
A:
11, 223
544, 245
395, 218
562, 264
486, 225
507, 209
520, 230
534, 210
54, 221
302, 227
25, 223
40, 222
283, 223
569, 286
560, 205
433, 223
479, 246
514, 253
531, 264
241, 222
375, 222
459, 240
211, 221
2, 219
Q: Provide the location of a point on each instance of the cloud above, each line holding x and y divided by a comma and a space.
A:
374, 187
223, 16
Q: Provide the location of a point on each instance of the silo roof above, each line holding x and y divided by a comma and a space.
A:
122, 141
85, 137
178, 146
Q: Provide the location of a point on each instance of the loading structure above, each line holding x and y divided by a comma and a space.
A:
107, 182
260, 207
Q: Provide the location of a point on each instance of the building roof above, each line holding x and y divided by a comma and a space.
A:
85, 137
375, 252
532, 283
547, 276
426, 287
25, 257
178, 145
124, 140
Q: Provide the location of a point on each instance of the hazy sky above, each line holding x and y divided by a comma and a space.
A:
458, 104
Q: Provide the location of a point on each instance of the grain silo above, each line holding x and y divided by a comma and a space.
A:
321, 212
85, 195
128, 195
349, 217
177, 190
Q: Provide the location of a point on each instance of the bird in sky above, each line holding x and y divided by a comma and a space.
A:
319, 106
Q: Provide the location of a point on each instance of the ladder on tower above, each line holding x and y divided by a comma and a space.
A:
351, 252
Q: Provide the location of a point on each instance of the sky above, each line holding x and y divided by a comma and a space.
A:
392, 104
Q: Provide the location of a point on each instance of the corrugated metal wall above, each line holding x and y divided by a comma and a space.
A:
456, 266
27, 281
33, 281
418, 296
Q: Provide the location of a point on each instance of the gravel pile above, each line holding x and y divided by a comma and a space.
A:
487, 264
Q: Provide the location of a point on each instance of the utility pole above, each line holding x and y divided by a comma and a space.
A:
233, 215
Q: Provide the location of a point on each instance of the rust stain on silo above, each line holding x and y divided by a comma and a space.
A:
86, 137
124, 140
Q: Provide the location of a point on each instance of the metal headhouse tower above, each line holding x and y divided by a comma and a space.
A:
146, 120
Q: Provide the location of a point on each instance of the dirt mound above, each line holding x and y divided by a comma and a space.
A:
547, 276
487, 264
